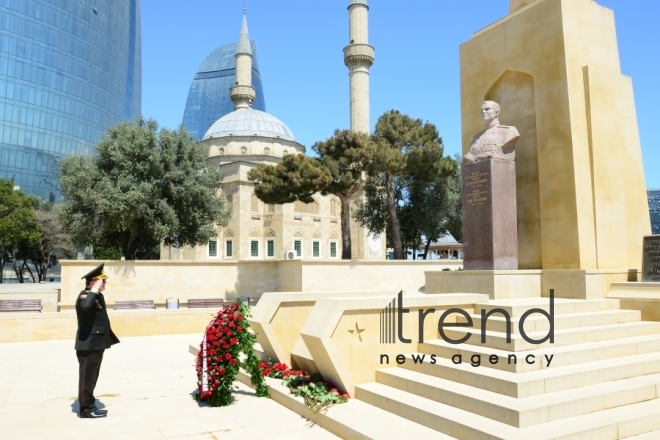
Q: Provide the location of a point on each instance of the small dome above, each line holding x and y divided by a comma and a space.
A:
249, 122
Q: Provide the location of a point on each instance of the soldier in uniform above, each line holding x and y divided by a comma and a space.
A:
495, 141
93, 337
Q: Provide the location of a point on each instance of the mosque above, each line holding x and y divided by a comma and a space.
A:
246, 137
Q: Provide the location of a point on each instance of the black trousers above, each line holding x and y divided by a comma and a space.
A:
89, 366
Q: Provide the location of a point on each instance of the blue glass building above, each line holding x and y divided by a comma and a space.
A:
209, 98
654, 209
68, 70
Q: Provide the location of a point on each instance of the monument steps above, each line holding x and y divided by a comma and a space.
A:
603, 381
517, 307
354, 419
539, 381
562, 356
567, 336
539, 323
612, 423
527, 411
655, 435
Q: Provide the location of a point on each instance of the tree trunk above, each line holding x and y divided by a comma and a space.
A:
394, 220
44, 270
18, 270
3, 260
128, 247
38, 266
426, 248
25, 265
345, 227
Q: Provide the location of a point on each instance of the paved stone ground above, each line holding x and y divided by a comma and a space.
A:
145, 384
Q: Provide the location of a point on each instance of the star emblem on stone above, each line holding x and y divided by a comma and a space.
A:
357, 332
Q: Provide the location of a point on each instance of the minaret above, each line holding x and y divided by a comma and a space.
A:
242, 94
358, 57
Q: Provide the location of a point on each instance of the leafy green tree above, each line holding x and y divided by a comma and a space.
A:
454, 222
345, 154
53, 242
337, 170
295, 177
141, 188
403, 146
18, 226
426, 210
435, 206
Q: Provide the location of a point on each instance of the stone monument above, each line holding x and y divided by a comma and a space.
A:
490, 235
553, 65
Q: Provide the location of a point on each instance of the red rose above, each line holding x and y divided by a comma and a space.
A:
233, 341
239, 328
228, 356
222, 371
229, 333
232, 362
239, 318
232, 325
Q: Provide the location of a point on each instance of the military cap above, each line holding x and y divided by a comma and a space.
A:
95, 274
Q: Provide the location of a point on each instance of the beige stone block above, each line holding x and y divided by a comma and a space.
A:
638, 426
496, 284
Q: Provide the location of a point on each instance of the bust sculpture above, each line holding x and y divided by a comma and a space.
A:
496, 141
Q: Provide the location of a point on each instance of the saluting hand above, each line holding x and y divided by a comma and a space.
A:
97, 285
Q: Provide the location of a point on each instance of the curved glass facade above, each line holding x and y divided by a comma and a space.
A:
68, 70
209, 97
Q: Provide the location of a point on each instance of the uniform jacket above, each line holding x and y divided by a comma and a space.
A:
94, 332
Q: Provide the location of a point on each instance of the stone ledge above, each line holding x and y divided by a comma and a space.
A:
30, 327
351, 420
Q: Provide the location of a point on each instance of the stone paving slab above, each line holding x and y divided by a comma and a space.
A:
145, 384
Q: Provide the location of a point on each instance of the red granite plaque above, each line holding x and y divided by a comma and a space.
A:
490, 228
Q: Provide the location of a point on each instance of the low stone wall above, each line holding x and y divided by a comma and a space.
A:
406, 275
28, 327
49, 294
642, 296
159, 280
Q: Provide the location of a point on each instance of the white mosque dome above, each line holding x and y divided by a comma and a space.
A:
249, 122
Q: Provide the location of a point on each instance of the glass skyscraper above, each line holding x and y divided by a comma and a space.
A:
654, 209
209, 98
68, 70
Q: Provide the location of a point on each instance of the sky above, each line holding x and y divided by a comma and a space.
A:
416, 69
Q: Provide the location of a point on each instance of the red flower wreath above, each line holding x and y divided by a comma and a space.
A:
217, 364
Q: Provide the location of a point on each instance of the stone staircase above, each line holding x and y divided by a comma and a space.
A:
602, 381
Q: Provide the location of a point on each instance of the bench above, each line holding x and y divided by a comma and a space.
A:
134, 305
206, 303
20, 305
